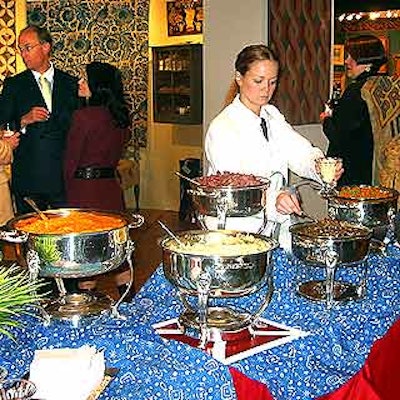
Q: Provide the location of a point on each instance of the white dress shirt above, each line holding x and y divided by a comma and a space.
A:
235, 143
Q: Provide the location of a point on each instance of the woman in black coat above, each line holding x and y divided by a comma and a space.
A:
348, 125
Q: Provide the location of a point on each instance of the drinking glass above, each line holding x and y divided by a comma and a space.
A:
8, 129
326, 168
17, 389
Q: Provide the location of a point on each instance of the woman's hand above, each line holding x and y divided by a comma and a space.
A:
13, 140
326, 113
288, 203
83, 89
339, 170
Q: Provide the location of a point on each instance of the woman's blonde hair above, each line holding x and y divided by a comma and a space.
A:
247, 56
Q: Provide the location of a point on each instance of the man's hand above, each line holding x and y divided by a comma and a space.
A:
36, 114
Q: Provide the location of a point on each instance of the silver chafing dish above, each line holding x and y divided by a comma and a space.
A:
221, 264
228, 195
371, 206
231, 275
331, 244
239, 201
75, 255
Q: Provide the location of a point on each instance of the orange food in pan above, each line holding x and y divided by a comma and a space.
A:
74, 222
364, 192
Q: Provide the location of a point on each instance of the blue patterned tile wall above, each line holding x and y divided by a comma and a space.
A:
102, 30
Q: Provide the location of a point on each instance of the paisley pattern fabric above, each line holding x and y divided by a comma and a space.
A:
112, 31
382, 95
337, 345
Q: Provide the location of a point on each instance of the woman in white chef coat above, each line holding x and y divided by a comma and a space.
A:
236, 142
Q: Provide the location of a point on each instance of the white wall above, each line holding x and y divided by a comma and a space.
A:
230, 25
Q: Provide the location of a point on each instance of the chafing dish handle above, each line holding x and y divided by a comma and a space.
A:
13, 236
203, 291
135, 220
213, 194
331, 260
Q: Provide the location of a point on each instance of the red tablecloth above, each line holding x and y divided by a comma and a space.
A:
378, 379
247, 388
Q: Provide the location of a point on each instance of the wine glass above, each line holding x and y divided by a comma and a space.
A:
326, 168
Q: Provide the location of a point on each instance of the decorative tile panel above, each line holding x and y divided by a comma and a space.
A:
101, 30
7, 39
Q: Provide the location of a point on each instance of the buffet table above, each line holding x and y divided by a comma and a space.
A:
335, 348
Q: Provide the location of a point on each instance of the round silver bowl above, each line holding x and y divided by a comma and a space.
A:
330, 244
219, 264
231, 275
371, 211
349, 247
236, 201
75, 255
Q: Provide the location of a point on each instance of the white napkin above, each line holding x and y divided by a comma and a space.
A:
67, 374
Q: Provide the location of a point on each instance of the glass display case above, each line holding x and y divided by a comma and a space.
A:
178, 84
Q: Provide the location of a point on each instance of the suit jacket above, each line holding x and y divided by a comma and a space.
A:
38, 160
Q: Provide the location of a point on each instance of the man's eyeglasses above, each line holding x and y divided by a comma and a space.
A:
28, 48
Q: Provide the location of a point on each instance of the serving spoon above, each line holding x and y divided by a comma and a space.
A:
170, 233
188, 179
42, 215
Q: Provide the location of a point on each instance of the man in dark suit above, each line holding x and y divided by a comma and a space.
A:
39, 102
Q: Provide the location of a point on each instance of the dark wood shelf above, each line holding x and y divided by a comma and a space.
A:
177, 83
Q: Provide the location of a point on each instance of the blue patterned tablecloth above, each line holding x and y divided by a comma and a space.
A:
337, 345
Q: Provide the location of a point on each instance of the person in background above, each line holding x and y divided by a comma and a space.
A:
95, 144
9, 140
7, 145
251, 136
39, 102
348, 125
96, 141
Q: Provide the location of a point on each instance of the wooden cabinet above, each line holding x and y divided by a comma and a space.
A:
178, 84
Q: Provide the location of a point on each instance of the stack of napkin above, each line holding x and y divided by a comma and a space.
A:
67, 374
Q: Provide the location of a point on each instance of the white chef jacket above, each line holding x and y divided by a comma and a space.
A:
235, 143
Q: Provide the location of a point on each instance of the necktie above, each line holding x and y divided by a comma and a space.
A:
264, 128
46, 90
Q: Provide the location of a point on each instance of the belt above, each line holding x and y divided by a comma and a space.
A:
94, 173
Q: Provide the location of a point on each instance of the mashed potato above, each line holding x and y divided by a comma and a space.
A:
219, 244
